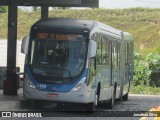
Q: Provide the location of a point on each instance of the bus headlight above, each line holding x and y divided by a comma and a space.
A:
79, 85
31, 85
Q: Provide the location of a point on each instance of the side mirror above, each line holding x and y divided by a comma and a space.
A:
24, 45
92, 49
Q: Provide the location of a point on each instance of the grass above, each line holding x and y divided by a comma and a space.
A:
145, 90
143, 24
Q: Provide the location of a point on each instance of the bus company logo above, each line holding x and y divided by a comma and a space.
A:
6, 114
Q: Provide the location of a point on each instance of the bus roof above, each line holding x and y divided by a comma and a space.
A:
64, 24
108, 28
74, 25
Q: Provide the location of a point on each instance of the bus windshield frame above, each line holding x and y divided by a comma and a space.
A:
62, 59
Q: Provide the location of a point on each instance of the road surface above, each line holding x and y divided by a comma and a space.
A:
136, 103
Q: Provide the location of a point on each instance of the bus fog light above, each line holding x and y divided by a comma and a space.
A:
31, 85
79, 85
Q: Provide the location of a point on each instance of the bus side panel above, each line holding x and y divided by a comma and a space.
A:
103, 76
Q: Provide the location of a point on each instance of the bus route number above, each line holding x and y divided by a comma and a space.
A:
41, 86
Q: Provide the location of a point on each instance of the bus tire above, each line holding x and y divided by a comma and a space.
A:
125, 97
90, 107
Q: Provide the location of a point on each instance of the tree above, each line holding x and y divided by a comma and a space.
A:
3, 9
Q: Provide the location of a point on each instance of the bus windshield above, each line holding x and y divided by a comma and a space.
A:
56, 57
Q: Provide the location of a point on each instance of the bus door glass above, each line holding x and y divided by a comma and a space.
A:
126, 62
105, 62
118, 64
114, 62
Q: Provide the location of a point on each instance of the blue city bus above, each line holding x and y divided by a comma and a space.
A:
70, 60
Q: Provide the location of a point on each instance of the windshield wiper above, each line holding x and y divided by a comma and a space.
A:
69, 73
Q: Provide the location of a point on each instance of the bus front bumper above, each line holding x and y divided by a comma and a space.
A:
84, 95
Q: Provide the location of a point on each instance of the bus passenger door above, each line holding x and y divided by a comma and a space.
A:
94, 63
126, 81
114, 64
118, 69
115, 67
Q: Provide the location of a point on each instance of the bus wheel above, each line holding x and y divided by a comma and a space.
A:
92, 106
125, 97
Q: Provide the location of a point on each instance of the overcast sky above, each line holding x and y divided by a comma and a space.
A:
111, 4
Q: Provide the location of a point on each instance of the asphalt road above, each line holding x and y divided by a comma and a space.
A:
123, 110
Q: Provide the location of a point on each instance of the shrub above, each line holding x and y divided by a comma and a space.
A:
147, 70
154, 66
142, 71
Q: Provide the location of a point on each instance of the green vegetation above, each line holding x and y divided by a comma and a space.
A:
143, 24
3, 9
142, 71
146, 74
141, 89
25, 21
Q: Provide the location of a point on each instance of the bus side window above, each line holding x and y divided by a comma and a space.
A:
99, 49
126, 53
105, 54
93, 65
93, 61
